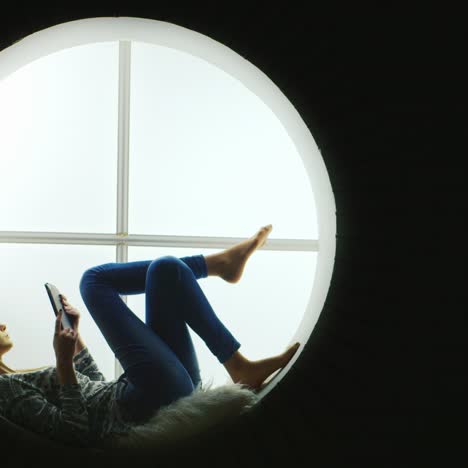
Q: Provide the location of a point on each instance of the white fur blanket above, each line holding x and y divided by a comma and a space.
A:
190, 415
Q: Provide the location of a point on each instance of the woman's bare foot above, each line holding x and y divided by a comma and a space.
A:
254, 373
236, 257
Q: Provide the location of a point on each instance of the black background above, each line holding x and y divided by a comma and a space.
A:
382, 379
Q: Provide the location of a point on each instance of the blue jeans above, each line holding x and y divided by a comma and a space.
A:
157, 355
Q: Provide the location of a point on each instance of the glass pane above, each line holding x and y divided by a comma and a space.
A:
25, 307
207, 156
263, 311
58, 121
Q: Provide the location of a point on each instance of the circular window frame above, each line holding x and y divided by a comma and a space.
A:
107, 29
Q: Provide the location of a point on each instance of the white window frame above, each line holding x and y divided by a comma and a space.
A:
125, 30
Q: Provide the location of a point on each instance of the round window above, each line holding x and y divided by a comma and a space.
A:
128, 139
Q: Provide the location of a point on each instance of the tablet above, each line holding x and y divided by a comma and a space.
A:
57, 305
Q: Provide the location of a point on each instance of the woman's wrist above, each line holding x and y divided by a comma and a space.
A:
66, 371
64, 362
79, 346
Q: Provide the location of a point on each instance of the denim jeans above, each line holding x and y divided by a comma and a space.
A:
157, 355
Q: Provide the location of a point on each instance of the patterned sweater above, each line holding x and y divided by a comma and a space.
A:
78, 414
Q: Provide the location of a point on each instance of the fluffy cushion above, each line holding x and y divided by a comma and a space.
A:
204, 408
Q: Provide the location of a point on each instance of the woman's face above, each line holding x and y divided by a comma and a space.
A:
5, 340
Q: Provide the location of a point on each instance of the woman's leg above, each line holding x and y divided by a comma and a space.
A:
155, 375
150, 361
174, 300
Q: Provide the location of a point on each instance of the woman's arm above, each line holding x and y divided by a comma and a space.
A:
66, 421
85, 364
66, 373
79, 345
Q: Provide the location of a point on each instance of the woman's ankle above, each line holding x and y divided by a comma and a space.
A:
215, 264
236, 365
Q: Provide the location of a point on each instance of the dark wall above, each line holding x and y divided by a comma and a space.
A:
382, 378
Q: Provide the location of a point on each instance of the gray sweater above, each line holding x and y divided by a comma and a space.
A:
77, 414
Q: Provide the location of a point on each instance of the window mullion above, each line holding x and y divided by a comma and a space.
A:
123, 161
123, 137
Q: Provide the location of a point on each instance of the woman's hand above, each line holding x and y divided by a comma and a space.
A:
64, 341
75, 321
73, 312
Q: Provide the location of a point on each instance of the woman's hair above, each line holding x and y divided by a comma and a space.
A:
4, 369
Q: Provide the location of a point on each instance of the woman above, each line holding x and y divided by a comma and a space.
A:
73, 403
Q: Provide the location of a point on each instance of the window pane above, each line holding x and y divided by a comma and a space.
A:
263, 311
58, 122
207, 156
25, 307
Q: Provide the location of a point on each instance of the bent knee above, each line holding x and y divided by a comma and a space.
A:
88, 278
167, 267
